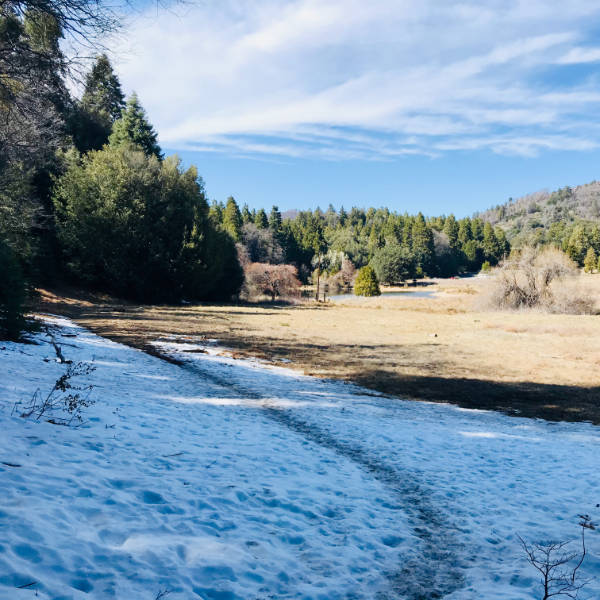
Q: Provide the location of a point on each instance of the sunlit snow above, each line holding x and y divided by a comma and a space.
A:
226, 479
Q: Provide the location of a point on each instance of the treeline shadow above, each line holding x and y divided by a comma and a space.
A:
520, 398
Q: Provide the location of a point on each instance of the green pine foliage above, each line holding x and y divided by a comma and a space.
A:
366, 283
440, 246
275, 220
12, 294
148, 220
246, 215
112, 216
133, 127
393, 263
261, 220
568, 219
100, 106
231, 219
103, 94
590, 262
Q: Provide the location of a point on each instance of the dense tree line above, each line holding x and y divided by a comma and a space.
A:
397, 246
580, 239
86, 195
567, 219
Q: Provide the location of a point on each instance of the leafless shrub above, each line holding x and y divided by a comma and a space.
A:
535, 278
343, 279
559, 566
64, 403
261, 245
242, 254
275, 281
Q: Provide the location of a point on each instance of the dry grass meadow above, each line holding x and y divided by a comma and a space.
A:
443, 349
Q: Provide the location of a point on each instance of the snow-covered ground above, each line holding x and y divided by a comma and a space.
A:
225, 479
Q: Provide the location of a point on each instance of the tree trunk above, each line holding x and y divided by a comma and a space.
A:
318, 278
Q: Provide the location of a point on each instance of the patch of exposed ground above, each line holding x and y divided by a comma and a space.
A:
440, 349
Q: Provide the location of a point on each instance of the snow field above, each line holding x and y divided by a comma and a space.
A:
113, 510
227, 479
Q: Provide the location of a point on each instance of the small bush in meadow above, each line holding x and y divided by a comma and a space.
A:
535, 278
366, 283
486, 267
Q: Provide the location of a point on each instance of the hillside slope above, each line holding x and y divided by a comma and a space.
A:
530, 216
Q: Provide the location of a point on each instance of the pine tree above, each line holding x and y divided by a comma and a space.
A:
503, 245
595, 239
43, 31
139, 227
366, 283
246, 215
465, 233
451, 231
491, 248
477, 229
422, 245
103, 95
133, 127
12, 294
473, 254
407, 232
101, 105
331, 217
275, 220
577, 245
232, 219
216, 213
591, 261
393, 264
260, 220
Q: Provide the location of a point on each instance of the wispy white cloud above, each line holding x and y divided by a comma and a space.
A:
340, 79
579, 55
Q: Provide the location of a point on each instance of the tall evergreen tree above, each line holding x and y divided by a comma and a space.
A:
34, 101
578, 244
590, 261
232, 219
275, 220
139, 227
101, 105
451, 231
216, 213
503, 245
133, 127
342, 216
422, 245
465, 233
477, 229
246, 215
260, 220
103, 94
491, 248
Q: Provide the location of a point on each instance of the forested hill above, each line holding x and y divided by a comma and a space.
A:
556, 217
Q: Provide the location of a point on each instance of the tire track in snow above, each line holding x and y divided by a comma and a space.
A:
435, 569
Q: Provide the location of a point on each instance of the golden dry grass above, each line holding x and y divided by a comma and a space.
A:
440, 349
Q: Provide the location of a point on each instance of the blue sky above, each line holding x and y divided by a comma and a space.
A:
438, 106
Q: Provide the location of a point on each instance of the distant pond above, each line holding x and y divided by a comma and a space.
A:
406, 294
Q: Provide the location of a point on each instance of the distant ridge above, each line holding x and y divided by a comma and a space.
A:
526, 216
